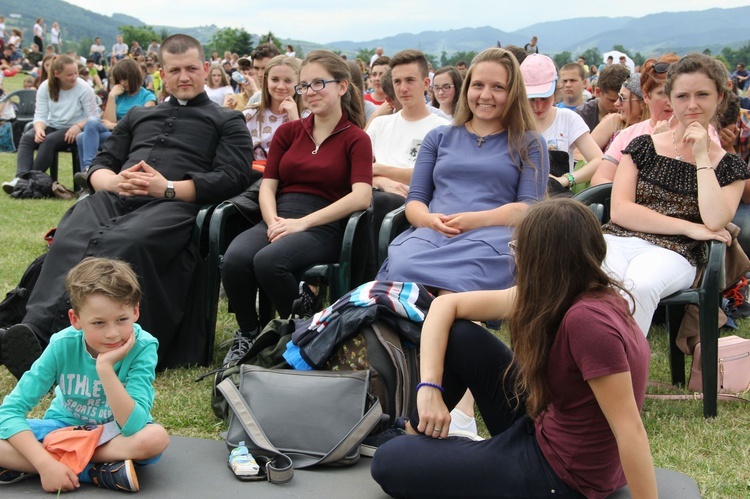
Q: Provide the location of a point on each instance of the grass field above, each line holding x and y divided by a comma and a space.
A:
715, 452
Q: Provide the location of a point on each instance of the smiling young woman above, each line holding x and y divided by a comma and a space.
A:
318, 172
278, 103
470, 182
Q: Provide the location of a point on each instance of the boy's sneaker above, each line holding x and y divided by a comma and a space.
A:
371, 443
19, 349
240, 345
9, 476
115, 476
8, 186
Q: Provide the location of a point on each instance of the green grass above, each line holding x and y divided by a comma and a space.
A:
716, 453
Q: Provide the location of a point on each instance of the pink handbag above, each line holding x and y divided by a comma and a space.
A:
734, 366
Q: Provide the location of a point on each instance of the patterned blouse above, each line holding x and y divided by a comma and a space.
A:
670, 187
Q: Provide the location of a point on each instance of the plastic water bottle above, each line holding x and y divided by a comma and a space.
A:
242, 462
239, 77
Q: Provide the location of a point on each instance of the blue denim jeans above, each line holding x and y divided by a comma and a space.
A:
90, 140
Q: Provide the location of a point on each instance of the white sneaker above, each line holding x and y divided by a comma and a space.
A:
462, 423
8, 186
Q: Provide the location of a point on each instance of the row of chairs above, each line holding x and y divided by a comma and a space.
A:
707, 296
226, 222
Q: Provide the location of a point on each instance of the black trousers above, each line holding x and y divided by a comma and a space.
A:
510, 464
251, 261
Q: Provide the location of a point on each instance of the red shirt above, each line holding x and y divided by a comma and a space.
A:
597, 337
369, 97
329, 170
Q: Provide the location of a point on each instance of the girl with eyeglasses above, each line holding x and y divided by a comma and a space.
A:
673, 191
562, 408
318, 172
630, 110
279, 103
446, 89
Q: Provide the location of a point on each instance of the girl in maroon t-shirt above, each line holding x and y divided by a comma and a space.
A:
562, 407
318, 172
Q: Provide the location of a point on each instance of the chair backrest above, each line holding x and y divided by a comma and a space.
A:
598, 199
25, 101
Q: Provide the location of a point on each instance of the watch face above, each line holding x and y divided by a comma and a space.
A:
169, 193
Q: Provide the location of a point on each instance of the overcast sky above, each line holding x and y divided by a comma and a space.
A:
325, 21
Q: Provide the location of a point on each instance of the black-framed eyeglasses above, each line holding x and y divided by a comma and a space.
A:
441, 88
513, 247
316, 86
661, 67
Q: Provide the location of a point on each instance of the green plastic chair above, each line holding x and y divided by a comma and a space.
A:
707, 296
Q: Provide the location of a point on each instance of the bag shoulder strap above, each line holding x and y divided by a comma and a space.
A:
339, 451
688, 396
279, 469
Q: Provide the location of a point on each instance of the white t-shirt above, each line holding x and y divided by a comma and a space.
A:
217, 94
564, 131
96, 48
396, 142
54, 36
38, 31
119, 49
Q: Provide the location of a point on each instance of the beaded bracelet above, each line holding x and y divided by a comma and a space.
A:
431, 385
571, 179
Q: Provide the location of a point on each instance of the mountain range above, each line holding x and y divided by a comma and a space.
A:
680, 32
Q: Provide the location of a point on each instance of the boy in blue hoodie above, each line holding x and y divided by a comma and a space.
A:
103, 367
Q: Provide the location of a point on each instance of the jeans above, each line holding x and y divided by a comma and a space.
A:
510, 464
90, 140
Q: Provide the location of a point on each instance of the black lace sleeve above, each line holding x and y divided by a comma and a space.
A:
731, 168
641, 149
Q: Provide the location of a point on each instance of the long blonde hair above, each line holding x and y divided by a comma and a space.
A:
265, 94
516, 117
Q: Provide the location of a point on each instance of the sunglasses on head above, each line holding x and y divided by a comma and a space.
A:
661, 67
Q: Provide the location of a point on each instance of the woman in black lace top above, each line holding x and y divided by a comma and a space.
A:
674, 190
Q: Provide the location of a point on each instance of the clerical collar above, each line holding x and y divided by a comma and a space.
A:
182, 102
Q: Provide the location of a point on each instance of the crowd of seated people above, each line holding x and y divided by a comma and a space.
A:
466, 152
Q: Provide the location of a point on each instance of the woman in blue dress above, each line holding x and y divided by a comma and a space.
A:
471, 182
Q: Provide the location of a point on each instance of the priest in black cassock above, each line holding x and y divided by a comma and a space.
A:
154, 172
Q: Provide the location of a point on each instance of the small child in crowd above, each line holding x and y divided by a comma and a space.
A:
104, 367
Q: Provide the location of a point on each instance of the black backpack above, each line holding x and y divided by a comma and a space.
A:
13, 307
393, 363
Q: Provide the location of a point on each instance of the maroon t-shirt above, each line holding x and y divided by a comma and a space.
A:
597, 337
329, 170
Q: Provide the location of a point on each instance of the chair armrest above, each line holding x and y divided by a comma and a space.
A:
393, 224
353, 225
217, 229
714, 275
200, 229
